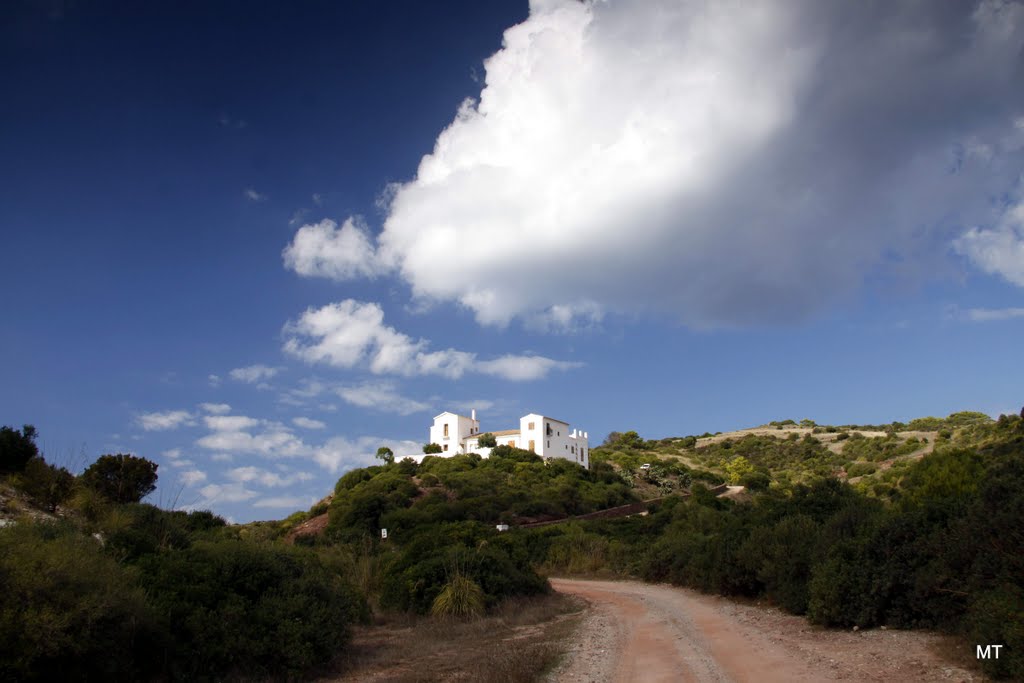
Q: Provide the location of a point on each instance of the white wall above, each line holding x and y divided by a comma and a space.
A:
459, 428
562, 442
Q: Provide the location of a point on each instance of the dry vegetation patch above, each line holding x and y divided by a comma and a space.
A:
519, 642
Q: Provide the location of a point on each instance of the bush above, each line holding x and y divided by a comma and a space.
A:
17, 448
46, 485
860, 469
121, 478
460, 597
431, 448
240, 609
487, 440
68, 611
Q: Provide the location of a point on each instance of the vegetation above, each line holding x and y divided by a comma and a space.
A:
17, 448
123, 590
487, 440
121, 478
939, 548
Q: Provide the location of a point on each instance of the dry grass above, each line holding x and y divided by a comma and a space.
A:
518, 642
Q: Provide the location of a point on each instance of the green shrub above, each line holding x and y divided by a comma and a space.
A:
17, 448
240, 609
69, 611
46, 485
121, 478
460, 598
860, 469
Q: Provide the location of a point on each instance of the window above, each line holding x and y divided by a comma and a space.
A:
511, 443
574, 450
533, 445
530, 426
549, 444
446, 446
548, 428
446, 429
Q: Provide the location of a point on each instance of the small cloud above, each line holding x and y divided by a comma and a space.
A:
214, 380
254, 196
352, 333
983, 315
230, 423
254, 373
298, 217
307, 423
222, 457
171, 419
224, 493
340, 253
172, 453
215, 408
289, 502
192, 477
255, 475
380, 396
318, 199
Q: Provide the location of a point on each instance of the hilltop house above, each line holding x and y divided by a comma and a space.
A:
545, 436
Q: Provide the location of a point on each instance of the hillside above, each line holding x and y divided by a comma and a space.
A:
910, 526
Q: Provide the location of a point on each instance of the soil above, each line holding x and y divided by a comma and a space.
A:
646, 632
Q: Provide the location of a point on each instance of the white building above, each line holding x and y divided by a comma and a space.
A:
545, 436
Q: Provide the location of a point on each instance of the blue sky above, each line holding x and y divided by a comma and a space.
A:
253, 242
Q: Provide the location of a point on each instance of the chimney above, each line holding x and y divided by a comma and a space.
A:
472, 414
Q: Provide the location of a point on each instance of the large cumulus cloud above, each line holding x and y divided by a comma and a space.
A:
725, 163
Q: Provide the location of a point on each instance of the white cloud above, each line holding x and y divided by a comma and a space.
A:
352, 333
215, 408
289, 502
192, 477
380, 396
340, 453
222, 457
990, 314
307, 423
254, 196
170, 419
172, 453
724, 163
254, 373
272, 442
183, 462
255, 475
223, 493
998, 250
325, 250
214, 380
523, 368
230, 423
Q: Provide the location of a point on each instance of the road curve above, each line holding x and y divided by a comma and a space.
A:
652, 633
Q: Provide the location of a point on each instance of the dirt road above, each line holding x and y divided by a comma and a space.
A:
652, 633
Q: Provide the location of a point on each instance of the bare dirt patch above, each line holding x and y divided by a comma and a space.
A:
645, 632
520, 642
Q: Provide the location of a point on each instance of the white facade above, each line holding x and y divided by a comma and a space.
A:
545, 436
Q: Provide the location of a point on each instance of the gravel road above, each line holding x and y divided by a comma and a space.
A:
651, 633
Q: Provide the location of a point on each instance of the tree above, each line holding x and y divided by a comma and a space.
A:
121, 478
386, 454
487, 440
17, 448
431, 448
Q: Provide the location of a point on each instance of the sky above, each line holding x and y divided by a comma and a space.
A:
253, 242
